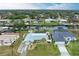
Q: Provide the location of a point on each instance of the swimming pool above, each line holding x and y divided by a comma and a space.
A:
35, 36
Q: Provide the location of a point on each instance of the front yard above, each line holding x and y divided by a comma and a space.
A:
73, 47
47, 49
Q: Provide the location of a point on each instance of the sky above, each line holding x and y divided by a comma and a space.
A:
51, 6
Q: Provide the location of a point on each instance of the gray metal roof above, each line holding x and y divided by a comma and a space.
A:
59, 35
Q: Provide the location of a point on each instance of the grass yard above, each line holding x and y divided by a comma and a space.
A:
48, 49
51, 23
73, 47
12, 50
45, 23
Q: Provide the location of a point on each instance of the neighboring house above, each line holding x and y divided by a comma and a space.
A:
35, 21
2, 29
62, 21
76, 16
50, 20
4, 25
5, 21
61, 35
28, 20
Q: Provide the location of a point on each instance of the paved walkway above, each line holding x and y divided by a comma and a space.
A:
63, 50
23, 49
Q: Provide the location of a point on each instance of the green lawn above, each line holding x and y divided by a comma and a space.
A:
48, 49
12, 50
43, 31
45, 23
51, 23
73, 47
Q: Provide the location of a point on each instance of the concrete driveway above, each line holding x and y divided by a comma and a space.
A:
23, 48
63, 50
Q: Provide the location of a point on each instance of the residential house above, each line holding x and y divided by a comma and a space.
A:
5, 21
50, 20
62, 36
62, 21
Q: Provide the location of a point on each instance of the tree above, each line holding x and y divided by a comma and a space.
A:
18, 23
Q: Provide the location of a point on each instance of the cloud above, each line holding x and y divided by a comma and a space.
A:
18, 6
52, 6
65, 6
58, 7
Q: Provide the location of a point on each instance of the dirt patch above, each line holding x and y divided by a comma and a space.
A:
8, 38
32, 46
